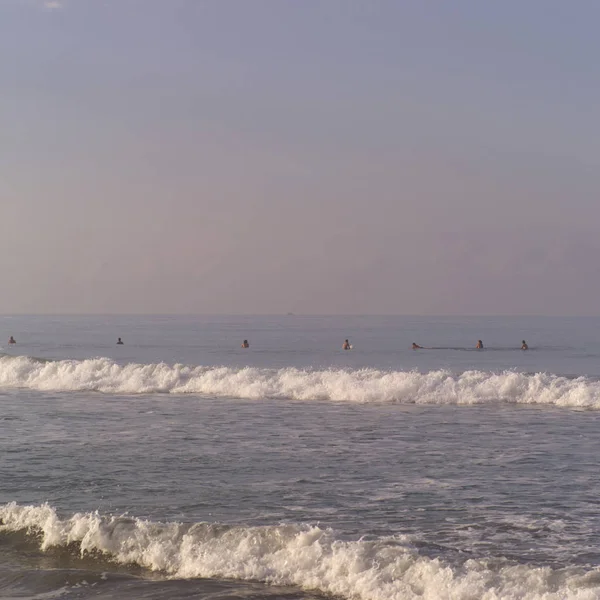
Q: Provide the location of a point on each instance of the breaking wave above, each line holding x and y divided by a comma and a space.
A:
309, 557
364, 385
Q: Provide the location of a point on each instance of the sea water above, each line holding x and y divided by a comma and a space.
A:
180, 465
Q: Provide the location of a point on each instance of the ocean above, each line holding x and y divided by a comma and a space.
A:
180, 465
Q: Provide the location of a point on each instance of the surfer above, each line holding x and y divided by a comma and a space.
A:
416, 346
346, 345
119, 342
245, 344
524, 345
479, 345
11, 340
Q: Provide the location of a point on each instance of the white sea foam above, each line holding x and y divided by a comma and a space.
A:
309, 557
365, 385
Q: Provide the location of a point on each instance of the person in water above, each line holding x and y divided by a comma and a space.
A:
479, 345
245, 344
119, 342
346, 345
416, 346
11, 340
524, 345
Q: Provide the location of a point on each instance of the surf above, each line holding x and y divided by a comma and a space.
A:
306, 556
339, 385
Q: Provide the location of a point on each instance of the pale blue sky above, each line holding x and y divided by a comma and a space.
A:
314, 156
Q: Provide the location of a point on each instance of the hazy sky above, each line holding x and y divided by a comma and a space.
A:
306, 156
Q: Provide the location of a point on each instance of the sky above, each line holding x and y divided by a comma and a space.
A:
314, 157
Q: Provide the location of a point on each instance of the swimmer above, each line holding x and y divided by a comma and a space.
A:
479, 345
245, 344
346, 345
12, 340
524, 345
416, 346
119, 342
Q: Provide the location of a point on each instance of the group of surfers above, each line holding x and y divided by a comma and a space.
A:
120, 342
345, 346
11, 340
478, 346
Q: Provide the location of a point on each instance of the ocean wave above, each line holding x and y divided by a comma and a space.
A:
308, 557
363, 385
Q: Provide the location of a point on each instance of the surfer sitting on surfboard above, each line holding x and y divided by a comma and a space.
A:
12, 340
346, 345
